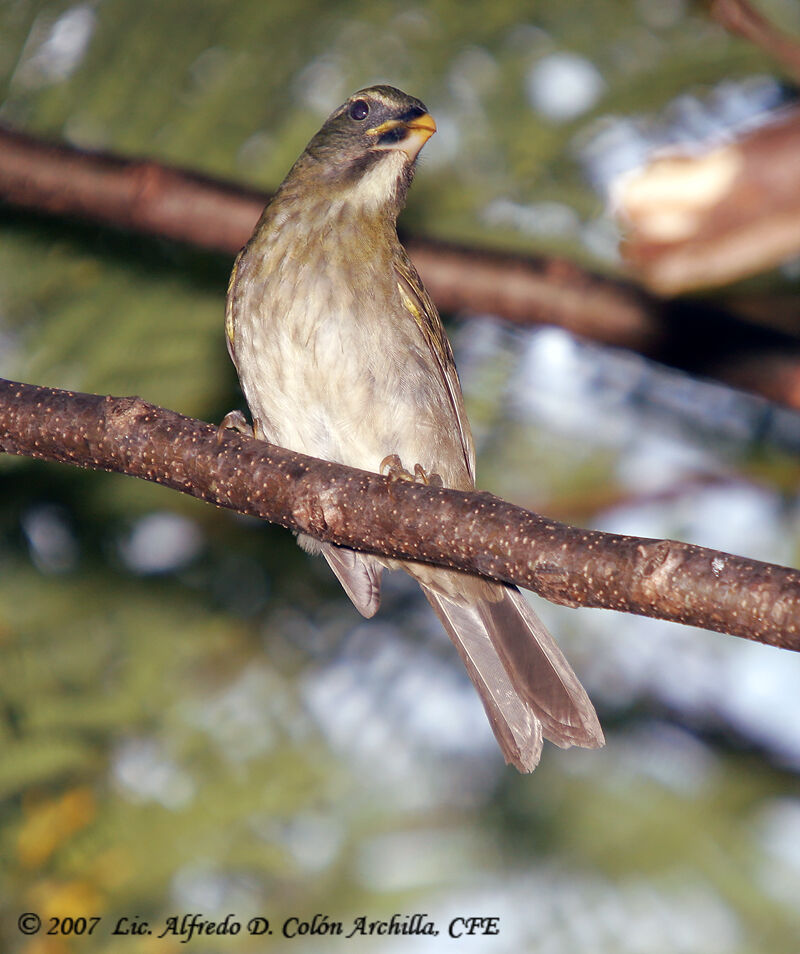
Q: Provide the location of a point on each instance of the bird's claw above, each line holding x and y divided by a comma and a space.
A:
234, 421
392, 467
422, 477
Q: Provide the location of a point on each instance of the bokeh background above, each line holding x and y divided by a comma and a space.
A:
192, 715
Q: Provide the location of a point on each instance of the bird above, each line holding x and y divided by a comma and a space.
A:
341, 355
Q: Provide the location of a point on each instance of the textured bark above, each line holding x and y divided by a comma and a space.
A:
468, 531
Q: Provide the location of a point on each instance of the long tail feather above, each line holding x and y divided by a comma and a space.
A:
515, 725
527, 686
539, 671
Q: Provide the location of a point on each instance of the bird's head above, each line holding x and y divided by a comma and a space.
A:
367, 147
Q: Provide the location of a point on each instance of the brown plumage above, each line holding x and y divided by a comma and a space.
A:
342, 355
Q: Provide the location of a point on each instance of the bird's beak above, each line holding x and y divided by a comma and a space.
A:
420, 131
424, 123
416, 132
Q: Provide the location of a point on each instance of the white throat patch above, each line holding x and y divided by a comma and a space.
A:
377, 186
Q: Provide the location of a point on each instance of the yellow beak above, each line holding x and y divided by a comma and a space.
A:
425, 125
419, 131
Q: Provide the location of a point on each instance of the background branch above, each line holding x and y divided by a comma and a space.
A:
164, 201
155, 199
703, 220
698, 220
475, 532
742, 18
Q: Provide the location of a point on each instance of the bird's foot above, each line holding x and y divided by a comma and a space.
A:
421, 476
392, 467
234, 421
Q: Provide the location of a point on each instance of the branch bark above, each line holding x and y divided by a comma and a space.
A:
474, 532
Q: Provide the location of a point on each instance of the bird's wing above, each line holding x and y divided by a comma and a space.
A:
419, 305
359, 574
527, 686
231, 307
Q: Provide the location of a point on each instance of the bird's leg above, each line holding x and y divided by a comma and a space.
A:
392, 467
235, 421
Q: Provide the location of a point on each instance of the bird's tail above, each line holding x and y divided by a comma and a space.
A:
527, 686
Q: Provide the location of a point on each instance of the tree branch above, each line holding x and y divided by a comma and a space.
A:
475, 532
155, 199
159, 200
706, 219
700, 219
739, 16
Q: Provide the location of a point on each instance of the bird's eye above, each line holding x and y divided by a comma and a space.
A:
359, 110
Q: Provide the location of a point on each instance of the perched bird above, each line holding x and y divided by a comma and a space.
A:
341, 354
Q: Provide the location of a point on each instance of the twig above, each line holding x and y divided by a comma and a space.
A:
467, 531
738, 16
703, 220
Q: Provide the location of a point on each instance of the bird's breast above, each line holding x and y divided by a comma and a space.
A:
330, 362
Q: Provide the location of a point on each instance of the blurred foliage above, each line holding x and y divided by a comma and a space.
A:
161, 748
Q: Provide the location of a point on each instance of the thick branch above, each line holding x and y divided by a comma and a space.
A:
468, 531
